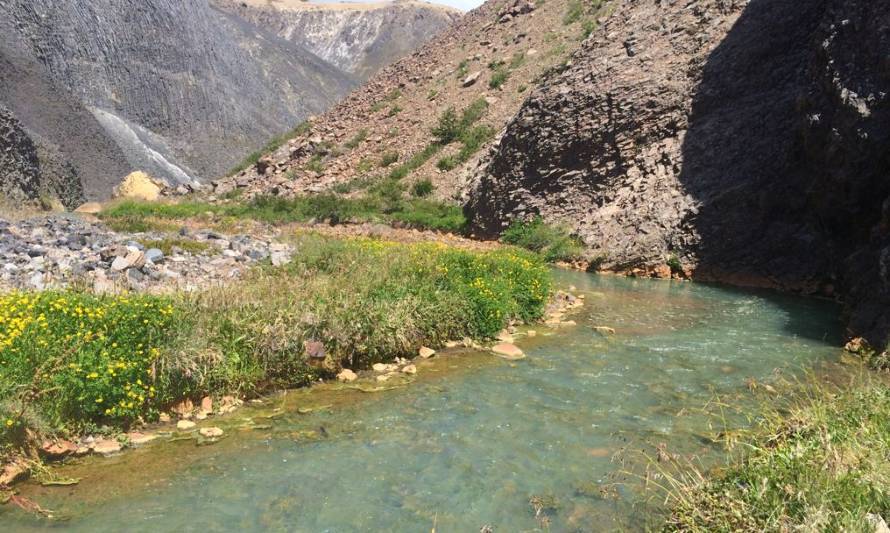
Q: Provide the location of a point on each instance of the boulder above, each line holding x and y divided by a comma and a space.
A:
138, 438
211, 432
425, 352
58, 449
106, 446
410, 369
507, 351
185, 425
347, 376
472, 78
139, 186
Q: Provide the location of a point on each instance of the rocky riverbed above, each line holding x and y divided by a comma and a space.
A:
63, 250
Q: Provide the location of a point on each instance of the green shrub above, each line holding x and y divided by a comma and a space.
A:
422, 188
447, 163
517, 60
167, 245
389, 158
574, 12
315, 164
447, 129
498, 78
553, 243
416, 161
588, 26
357, 139
463, 69
364, 165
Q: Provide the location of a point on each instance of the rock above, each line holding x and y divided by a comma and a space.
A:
505, 336
58, 449
410, 369
604, 330
425, 352
211, 432
347, 376
381, 367
472, 78
154, 256
856, 345
229, 404
877, 523
138, 438
139, 186
106, 446
314, 349
12, 472
183, 409
207, 404
383, 377
507, 351
662, 271
89, 208
531, 333
185, 425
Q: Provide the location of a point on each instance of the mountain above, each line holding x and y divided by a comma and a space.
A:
181, 90
357, 38
743, 141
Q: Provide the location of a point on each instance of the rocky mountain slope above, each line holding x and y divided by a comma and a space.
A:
182, 90
491, 56
357, 38
748, 141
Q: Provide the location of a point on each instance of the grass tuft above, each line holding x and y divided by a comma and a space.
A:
552, 242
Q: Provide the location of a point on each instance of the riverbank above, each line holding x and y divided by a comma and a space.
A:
815, 461
76, 362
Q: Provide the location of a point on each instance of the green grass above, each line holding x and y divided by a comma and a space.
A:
315, 164
463, 69
357, 139
274, 144
552, 242
422, 188
498, 78
416, 161
818, 464
167, 245
388, 158
384, 203
73, 362
574, 12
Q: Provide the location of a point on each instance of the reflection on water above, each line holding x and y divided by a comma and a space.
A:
470, 446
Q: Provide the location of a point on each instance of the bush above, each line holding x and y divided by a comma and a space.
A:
388, 159
498, 78
422, 188
553, 243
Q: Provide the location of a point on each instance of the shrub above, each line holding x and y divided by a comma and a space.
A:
389, 158
553, 243
463, 68
447, 163
574, 12
422, 188
357, 139
393, 111
447, 129
498, 78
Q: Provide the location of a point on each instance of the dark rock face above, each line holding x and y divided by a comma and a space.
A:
177, 89
748, 139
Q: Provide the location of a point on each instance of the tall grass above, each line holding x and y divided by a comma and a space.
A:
553, 242
818, 464
72, 361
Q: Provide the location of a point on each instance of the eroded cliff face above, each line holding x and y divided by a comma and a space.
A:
747, 139
358, 38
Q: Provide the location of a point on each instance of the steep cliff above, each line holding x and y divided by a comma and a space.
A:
748, 140
358, 38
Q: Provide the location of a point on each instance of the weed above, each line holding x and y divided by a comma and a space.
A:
389, 158
552, 242
498, 78
422, 188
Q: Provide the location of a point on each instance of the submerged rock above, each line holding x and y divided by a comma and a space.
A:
347, 376
211, 432
185, 425
507, 351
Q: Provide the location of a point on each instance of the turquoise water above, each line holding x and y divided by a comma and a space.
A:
475, 438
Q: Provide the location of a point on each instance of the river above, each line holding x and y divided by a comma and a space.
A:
475, 438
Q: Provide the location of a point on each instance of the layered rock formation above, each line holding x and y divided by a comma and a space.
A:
358, 38
748, 140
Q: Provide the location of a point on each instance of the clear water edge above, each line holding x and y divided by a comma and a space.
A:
474, 438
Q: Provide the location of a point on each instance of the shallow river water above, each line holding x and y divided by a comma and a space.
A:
474, 438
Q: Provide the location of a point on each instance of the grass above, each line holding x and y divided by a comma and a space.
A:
315, 164
498, 78
552, 242
463, 69
818, 464
357, 139
383, 204
574, 12
168, 244
422, 188
388, 158
274, 144
73, 361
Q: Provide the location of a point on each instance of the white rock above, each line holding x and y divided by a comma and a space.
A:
347, 375
211, 432
185, 425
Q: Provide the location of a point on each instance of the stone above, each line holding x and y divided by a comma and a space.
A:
346, 375
425, 352
210, 432
472, 78
229, 404
12, 472
58, 449
531, 333
505, 336
604, 330
382, 367
185, 425
206, 404
183, 409
154, 256
137, 438
89, 208
314, 349
106, 446
383, 377
661, 271
877, 523
507, 351
164, 418
140, 186
410, 369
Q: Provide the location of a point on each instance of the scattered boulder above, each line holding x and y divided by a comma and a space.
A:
472, 78
507, 351
185, 425
347, 376
139, 186
210, 432
410, 369
425, 352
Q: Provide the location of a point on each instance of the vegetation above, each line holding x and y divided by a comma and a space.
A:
73, 361
389, 158
357, 139
553, 243
819, 464
383, 204
498, 77
274, 144
168, 244
422, 188
463, 68
315, 164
